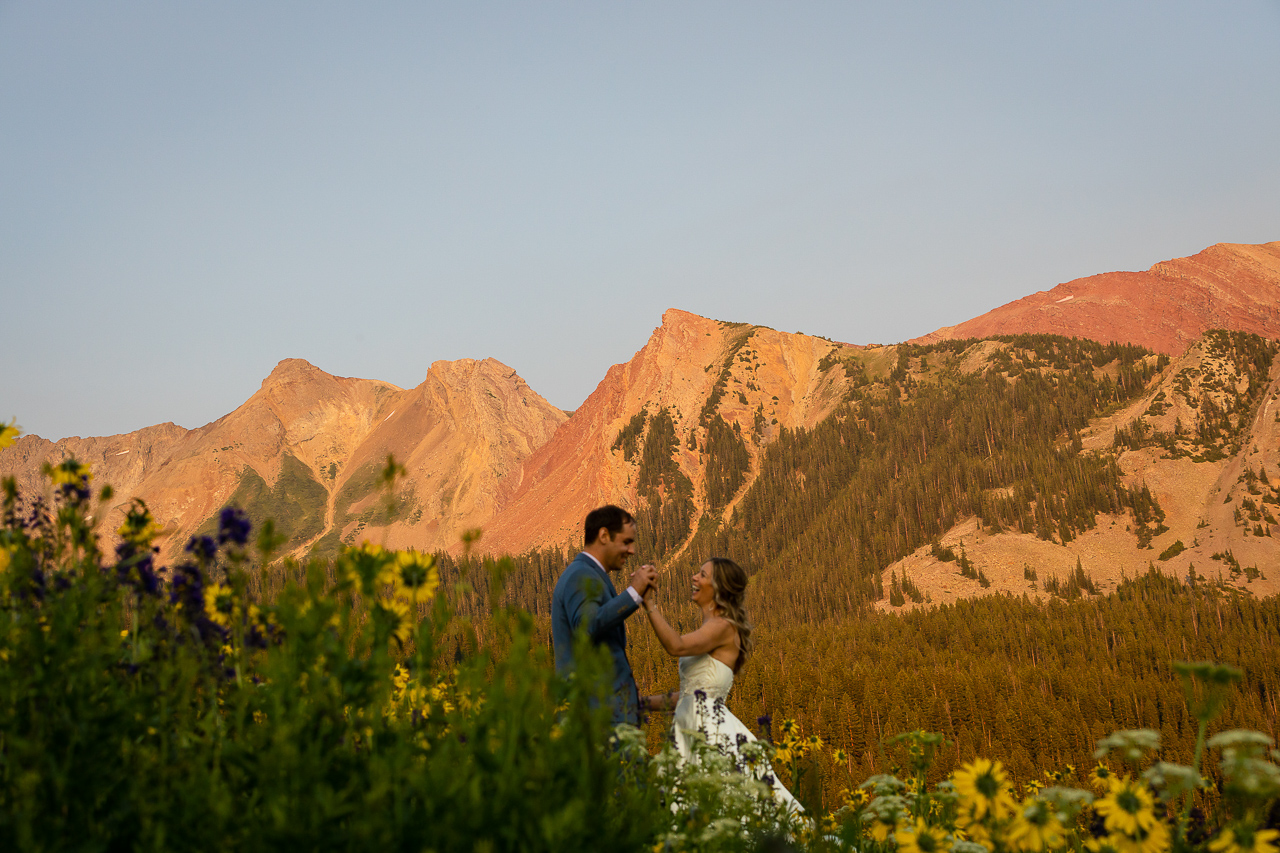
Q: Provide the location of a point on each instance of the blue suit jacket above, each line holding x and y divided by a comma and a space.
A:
585, 598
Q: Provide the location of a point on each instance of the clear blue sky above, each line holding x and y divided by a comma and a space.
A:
190, 192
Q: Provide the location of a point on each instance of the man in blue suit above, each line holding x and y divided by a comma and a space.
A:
585, 599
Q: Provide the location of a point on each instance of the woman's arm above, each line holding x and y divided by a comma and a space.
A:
713, 634
661, 702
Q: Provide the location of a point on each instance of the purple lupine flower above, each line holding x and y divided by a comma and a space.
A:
36, 589
254, 638
186, 591
211, 632
149, 581
37, 516
78, 490
187, 588
203, 548
233, 526
137, 568
765, 722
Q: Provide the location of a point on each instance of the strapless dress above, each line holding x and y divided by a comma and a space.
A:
704, 685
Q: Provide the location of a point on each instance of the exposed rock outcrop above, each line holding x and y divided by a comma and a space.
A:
756, 379
1167, 308
1219, 493
307, 448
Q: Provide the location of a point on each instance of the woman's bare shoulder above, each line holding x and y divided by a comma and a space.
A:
723, 628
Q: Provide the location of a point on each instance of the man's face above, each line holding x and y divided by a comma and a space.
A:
617, 548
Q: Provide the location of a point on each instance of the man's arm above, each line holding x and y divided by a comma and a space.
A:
586, 605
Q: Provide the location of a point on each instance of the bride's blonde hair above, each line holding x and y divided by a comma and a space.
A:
730, 584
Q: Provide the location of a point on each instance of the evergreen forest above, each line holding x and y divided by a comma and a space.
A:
920, 444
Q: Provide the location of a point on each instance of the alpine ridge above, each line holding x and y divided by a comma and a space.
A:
307, 450
705, 378
1165, 309
712, 432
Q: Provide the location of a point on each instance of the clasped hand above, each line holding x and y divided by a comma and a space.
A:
644, 580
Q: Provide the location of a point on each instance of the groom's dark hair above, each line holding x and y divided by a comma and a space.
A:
609, 516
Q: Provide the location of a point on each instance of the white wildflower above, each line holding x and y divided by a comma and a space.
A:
1132, 744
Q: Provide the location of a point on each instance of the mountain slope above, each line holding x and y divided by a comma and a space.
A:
1165, 309
1204, 439
695, 381
460, 434
306, 450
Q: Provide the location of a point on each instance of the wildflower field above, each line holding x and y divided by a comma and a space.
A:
235, 701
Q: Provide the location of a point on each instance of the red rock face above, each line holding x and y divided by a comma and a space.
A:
778, 375
1166, 308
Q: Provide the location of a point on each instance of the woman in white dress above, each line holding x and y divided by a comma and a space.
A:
709, 659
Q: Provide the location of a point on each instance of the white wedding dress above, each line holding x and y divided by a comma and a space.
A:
701, 711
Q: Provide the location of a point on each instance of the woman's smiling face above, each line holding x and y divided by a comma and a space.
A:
704, 592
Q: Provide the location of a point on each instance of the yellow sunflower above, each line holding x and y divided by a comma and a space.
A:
1101, 777
881, 830
69, 472
139, 528
1153, 840
370, 568
8, 432
855, 798
397, 612
1128, 808
1101, 845
970, 830
219, 604
984, 788
922, 838
417, 573
1037, 828
1245, 839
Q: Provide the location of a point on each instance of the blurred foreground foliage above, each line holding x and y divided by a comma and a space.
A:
142, 709
236, 702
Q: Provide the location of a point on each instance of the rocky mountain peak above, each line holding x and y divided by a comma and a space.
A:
1165, 308
470, 370
694, 375
292, 369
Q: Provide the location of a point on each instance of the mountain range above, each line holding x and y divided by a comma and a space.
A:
682, 431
